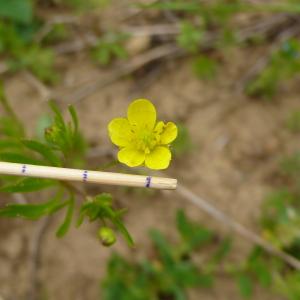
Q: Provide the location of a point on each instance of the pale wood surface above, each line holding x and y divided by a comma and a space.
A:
109, 178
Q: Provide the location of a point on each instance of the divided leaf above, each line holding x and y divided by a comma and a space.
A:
17, 10
44, 150
19, 158
100, 207
31, 211
194, 234
27, 184
245, 285
64, 227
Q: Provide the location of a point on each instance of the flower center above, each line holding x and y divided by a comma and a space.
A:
145, 140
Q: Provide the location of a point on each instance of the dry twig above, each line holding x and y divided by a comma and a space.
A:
124, 70
48, 26
237, 227
262, 62
35, 256
225, 219
42, 89
3, 67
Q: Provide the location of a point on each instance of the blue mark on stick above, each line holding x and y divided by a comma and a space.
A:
148, 181
85, 175
24, 169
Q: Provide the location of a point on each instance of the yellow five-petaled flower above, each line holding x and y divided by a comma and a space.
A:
141, 139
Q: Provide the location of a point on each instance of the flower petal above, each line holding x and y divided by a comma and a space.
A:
159, 127
131, 157
119, 132
142, 113
169, 133
159, 158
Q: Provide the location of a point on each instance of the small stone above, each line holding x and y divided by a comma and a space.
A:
137, 44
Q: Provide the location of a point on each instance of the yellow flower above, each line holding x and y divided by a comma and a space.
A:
141, 139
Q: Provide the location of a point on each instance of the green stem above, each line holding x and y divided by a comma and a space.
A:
9, 110
74, 189
108, 165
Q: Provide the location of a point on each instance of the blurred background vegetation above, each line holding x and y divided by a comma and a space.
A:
227, 72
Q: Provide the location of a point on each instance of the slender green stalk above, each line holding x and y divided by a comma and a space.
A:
9, 110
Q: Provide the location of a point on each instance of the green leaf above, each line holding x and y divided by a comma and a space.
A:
124, 231
17, 10
27, 184
9, 128
190, 37
103, 199
116, 220
290, 165
62, 230
205, 280
65, 137
100, 207
10, 125
181, 6
223, 249
262, 271
192, 233
38, 60
58, 134
288, 285
293, 122
58, 116
31, 211
19, 158
109, 47
183, 143
258, 265
102, 55
9, 144
119, 51
44, 150
205, 67
43, 122
164, 248
74, 116
245, 285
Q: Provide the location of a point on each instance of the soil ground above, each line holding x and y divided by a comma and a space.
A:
237, 142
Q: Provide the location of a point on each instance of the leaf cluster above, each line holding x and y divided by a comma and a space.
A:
100, 208
171, 271
109, 47
280, 225
212, 27
63, 145
284, 64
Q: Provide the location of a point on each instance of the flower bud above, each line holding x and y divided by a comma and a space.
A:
107, 236
52, 134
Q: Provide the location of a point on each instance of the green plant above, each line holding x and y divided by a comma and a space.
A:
17, 10
171, 272
83, 5
183, 143
62, 146
288, 285
280, 223
20, 47
210, 27
190, 37
110, 46
293, 121
173, 269
283, 65
205, 67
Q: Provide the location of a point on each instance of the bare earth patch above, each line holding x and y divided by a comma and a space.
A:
237, 142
